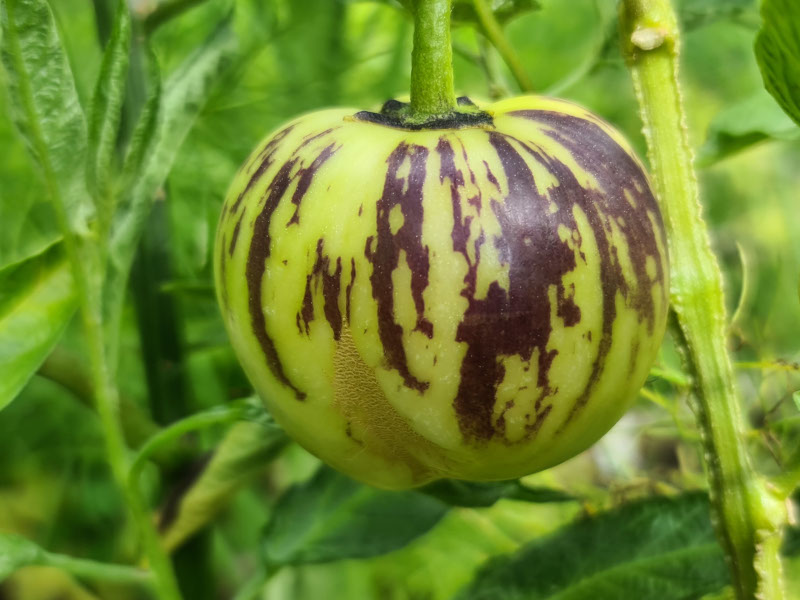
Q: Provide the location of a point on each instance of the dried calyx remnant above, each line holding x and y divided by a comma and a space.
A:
398, 114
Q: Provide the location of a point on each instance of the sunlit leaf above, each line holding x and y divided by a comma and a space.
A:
778, 53
37, 300
741, 125
331, 517
659, 549
45, 104
26, 214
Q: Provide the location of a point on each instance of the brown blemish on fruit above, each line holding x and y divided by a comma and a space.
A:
359, 398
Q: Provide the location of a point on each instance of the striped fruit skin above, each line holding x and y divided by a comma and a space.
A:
477, 303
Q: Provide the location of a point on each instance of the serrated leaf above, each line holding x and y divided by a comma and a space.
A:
778, 53
37, 301
45, 105
106, 110
331, 517
740, 125
659, 549
17, 552
486, 493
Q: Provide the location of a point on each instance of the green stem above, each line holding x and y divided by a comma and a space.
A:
97, 571
107, 403
165, 437
432, 91
650, 33
495, 33
68, 371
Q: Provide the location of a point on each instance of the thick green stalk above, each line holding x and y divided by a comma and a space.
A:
432, 91
494, 32
651, 43
107, 403
167, 436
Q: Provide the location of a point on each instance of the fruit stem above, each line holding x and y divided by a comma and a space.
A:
745, 516
432, 91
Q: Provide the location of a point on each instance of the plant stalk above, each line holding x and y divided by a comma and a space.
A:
651, 44
432, 90
107, 404
98, 571
494, 32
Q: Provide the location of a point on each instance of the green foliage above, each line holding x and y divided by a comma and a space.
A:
740, 125
45, 105
331, 517
16, 552
203, 85
653, 549
483, 493
105, 113
37, 301
504, 10
778, 52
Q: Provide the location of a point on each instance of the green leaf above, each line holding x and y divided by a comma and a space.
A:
331, 517
45, 104
740, 125
185, 94
105, 114
143, 140
245, 450
27, 223
778, 53
17, 552
659, 549
698, 13
37, 300
504, 10
486, 493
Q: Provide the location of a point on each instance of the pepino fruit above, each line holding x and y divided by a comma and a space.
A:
479, 297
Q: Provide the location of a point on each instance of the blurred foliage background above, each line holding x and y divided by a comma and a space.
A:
294, 56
